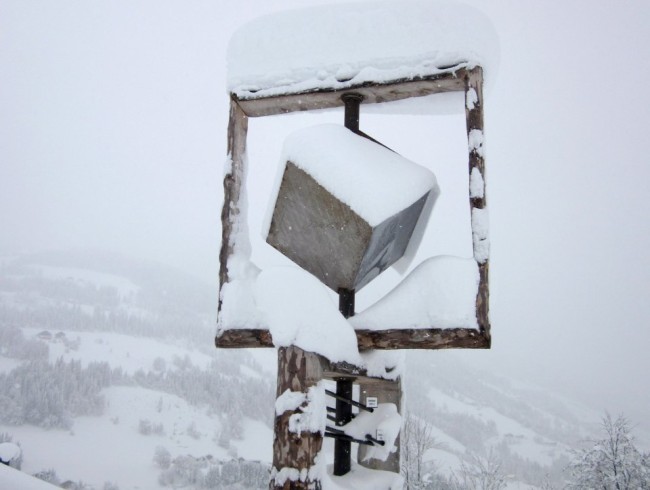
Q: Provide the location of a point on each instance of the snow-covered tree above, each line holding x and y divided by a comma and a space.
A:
611, 463
416, 439
162, 457
49, 476
480, 473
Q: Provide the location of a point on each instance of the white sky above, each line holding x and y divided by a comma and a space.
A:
113, 128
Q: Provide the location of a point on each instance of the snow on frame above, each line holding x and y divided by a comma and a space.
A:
439, 293
471, 99
476, 141
476, 184
334, 46
299, 311
480, 235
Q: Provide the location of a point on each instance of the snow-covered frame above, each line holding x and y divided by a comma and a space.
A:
461, 77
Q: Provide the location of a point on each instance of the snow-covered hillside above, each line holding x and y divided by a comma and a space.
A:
137, 371
109, 376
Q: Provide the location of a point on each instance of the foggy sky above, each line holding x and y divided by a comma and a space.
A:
113, 134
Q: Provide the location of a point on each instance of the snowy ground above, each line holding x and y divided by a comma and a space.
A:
118, 350
17, 480
110, 447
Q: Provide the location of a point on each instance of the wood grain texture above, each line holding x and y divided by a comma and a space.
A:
474, 121
232, 184
426, 338
298, 371
451, 80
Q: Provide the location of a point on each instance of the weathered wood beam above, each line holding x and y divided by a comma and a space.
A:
451, 80
459, 78
425, 338
232, 184
240, 338
474, 124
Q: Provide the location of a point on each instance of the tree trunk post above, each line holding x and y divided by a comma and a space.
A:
294, 454
478, 199
232, 185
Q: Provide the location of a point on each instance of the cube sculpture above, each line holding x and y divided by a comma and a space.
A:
347, 207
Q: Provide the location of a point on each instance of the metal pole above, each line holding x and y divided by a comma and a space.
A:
346, 302
351, 402
352, 103
343, 448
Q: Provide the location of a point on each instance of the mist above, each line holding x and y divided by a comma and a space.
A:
113, 136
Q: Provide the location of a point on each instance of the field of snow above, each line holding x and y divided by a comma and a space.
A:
124, 286
17, 480
111, 448
7, 364
523, 440
119, 350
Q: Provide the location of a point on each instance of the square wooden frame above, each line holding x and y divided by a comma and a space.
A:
458, 78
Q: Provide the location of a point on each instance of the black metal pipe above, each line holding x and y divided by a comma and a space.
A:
343, 447
346, 302
368, 436
336, 431
352, 103
350, 401
376, 441
346, 438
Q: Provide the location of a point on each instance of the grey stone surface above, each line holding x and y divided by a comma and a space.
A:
328, 239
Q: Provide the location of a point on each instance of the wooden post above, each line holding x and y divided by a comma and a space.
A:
232, 184
294, 454
477, 198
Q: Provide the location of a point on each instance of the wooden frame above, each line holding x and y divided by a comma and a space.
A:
454, 79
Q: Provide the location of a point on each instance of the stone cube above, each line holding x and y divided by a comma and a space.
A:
346, 207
